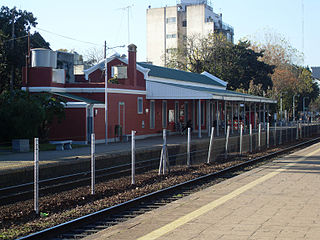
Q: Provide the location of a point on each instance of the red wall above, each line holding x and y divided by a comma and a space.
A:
72, 127
99, 123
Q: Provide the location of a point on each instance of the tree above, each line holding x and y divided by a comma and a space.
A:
236, 64
14, 50
289, 77
93, 56
26, 115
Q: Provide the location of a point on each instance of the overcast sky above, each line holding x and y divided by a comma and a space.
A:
95, 21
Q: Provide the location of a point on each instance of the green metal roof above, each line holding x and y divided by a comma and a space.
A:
170, 73
78, 98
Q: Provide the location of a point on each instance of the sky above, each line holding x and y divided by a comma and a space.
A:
84, 25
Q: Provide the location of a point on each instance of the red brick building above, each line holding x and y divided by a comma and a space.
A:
140, 97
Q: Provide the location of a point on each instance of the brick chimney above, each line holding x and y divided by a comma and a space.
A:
132, 65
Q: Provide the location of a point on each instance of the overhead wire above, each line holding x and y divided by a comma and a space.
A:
70, 38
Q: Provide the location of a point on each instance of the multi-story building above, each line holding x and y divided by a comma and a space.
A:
168, 27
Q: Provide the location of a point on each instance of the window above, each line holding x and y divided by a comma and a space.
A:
152, 114
171, 36
184, 23
112, 71
171, 20
164, 114
140, 105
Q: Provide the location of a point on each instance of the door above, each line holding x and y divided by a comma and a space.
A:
121, 119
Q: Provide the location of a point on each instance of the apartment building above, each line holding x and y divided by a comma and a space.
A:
168, 27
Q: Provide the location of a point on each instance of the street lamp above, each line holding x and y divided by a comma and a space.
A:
304, 111
293, 106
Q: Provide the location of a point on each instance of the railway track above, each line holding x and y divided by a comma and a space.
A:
95, 222
24, 191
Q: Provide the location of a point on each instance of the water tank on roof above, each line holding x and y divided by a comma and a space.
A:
43, 58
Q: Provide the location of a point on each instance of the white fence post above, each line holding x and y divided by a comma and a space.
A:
210, 145
259, 137
250, 134
188, 146
241, 135
164, 159
275, 134
133, 157
268, 135
93, 163
36, 175
227, 141
280, 138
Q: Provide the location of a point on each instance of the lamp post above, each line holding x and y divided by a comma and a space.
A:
293, 106
304, 111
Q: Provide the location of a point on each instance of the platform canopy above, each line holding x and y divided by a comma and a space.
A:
166, 83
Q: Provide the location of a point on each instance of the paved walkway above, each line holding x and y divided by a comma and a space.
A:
279, 200
20, 160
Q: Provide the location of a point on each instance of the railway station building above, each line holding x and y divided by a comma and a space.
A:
140, 97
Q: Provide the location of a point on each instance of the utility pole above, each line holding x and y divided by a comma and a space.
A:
12, 48
28, 61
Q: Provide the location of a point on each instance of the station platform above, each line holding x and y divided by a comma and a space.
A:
9, 160
279, 200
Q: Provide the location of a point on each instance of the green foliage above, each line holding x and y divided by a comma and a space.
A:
20, 116
236, 64
13, 51
24, 115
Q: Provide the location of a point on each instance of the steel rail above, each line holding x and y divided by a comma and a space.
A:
76, 223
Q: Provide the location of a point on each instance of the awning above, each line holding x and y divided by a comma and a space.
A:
162, 90
77, 98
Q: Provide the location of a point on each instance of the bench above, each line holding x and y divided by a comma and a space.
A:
62, 145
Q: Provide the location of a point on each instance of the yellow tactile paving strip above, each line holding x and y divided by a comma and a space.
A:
266, 203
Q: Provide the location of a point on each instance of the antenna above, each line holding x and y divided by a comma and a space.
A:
127, 8
302, 25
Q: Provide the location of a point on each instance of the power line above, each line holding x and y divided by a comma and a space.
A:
11, 39
70, 38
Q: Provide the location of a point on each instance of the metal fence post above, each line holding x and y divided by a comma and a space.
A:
227, 141
280, 137
275, 134
164, 158
93, 163
133, 157
268, 135
241, 135
210, 145
301, 130
36, 175
259, 137
250, 133
297, 133
188, 147
165, 151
